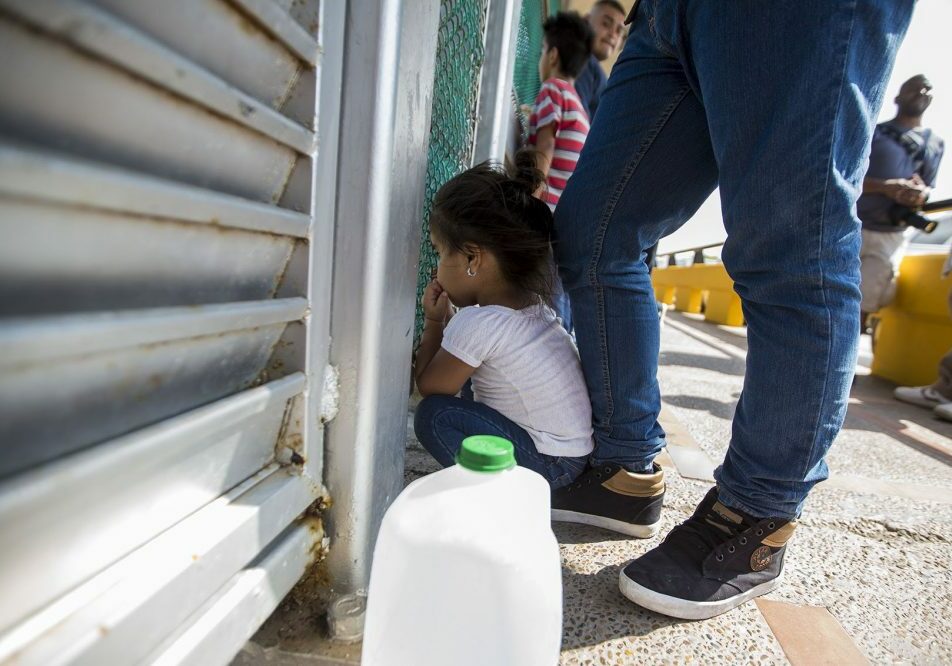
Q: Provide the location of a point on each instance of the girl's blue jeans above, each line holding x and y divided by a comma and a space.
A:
442, 422
773, 102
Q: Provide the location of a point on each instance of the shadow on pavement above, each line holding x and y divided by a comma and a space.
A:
872, 408
574, 533
727, 366
738, 339
718, 408
594, 611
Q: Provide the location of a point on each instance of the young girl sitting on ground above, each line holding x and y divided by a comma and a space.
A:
493, 240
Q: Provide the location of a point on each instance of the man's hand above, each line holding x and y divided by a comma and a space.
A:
911, 192
923, 189
436, 303
438, 372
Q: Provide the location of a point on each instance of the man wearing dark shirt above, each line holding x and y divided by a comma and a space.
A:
607, 19
903, 163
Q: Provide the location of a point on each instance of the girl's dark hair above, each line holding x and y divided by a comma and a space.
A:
493, 208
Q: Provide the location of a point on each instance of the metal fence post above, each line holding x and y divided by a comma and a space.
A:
390, 49
495, 97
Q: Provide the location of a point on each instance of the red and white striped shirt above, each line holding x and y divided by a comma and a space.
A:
558, 103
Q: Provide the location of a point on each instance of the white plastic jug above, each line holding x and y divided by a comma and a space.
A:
466, 569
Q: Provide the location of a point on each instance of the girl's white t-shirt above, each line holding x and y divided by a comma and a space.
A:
528, 370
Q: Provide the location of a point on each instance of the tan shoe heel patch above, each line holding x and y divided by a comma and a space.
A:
779, 538
726, 513
636, 485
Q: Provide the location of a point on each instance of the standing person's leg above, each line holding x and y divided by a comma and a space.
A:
791, 92
943, 385
936, 396
647, 166
879, 256
442, 423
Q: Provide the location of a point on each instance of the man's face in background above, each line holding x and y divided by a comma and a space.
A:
608, 24
914, 96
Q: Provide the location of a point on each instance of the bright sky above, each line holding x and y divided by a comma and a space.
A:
926, 47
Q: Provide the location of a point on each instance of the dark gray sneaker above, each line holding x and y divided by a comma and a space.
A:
714, 561
610, 497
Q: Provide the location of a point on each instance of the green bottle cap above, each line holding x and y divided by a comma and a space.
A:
485, 453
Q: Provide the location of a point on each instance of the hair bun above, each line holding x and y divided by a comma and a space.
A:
525, 171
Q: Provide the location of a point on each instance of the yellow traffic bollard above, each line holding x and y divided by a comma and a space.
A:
688, 287
916, 330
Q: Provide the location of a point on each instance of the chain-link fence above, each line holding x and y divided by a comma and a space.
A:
525, 78
459, 60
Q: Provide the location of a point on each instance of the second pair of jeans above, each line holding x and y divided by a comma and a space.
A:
442, 422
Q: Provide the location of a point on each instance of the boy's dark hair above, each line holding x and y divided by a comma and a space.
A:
572, 36
492, 208
614, 4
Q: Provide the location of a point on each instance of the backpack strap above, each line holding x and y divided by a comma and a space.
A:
913, 143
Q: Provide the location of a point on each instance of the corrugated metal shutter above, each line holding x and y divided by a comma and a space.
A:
164, 303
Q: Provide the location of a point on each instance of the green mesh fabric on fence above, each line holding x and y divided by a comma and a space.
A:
525, 77
459, 60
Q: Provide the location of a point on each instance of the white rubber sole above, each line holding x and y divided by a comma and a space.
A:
620, 526
917, 398
685, 609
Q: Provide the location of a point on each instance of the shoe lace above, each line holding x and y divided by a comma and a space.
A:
590, 476
707, 532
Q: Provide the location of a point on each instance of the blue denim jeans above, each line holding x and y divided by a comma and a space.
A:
774, 102
560, 302
442, 422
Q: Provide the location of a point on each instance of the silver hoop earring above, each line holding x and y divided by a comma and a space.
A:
469, 272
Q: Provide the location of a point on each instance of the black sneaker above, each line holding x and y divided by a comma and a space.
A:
715, 560
608, 496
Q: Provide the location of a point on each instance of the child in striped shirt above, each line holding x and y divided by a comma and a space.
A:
558, 124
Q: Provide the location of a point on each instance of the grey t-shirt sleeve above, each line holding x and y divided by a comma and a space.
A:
469, 336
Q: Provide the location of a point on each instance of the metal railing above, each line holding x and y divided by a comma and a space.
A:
910, 217
697, 252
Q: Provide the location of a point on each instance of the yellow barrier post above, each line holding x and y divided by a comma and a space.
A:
724, 308
722, 304
662, 279
688, 299
916, 330
690, 286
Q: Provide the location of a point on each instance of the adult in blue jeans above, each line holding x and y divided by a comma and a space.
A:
774, 102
